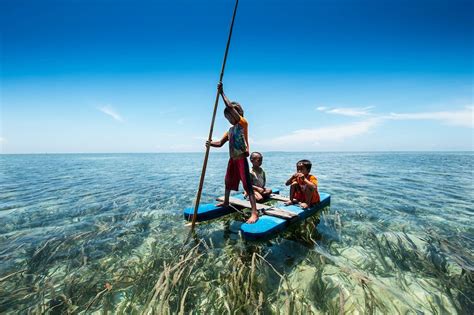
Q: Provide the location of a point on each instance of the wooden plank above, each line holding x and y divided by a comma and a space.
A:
280, 213
279, 197
242, 203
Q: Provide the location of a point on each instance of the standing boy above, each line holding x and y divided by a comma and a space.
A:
238, 167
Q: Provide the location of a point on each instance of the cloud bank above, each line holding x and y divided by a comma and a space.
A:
462, 118
339, 133
347, 111
316, 136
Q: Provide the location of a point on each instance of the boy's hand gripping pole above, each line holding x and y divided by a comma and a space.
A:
206, 156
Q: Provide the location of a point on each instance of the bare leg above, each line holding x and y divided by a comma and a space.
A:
267, 192
226, 199
308, 196
258, 196
293, 188
254, 217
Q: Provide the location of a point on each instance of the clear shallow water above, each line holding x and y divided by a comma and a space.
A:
90, 232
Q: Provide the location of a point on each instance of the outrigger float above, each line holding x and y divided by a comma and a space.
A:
274, 219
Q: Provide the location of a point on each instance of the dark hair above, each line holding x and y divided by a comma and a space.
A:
256, 153
238, 108
306, 163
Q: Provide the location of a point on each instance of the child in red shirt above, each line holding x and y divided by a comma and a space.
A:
304, 186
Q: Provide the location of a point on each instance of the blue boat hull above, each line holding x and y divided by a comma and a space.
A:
210, 211
207, 212
267, 226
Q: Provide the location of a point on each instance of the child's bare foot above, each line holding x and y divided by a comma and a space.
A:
304, 205
253, 218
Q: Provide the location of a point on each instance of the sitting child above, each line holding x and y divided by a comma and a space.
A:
258, 178
304, 186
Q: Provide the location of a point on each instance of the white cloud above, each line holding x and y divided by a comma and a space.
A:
309, 138
109, 110
347, 111
463, 118
312, 137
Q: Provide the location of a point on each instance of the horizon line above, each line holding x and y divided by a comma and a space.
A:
279, 151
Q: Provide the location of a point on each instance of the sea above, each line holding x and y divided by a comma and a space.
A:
96, 233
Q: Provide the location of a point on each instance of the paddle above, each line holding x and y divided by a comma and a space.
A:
206, 156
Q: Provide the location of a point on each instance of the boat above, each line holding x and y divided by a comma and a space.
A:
274, 219
212, 211
269, 225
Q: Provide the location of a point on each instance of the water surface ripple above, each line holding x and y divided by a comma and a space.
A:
398, 236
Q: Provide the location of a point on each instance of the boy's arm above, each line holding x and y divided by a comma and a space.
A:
218, 144
227, 102
313, 183
258, 189
290, 180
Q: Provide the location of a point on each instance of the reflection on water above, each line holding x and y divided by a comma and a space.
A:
81, 233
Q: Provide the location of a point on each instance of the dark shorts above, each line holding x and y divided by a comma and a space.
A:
238, 170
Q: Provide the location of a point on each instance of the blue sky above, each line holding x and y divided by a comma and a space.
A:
140, 76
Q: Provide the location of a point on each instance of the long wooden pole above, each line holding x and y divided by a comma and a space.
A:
206, 156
